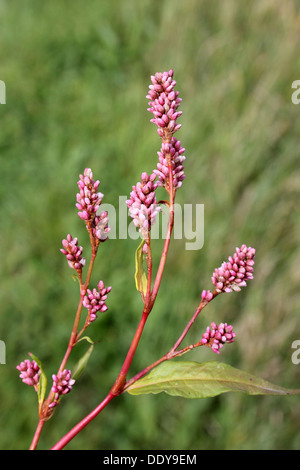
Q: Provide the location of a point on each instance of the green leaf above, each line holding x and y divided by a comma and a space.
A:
42, 380
195, 380
81, 364
87, 338
140, 275
75, 277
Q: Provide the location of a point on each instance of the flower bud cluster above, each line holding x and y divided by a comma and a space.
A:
62, 384
175, 151
30, 372
94, 301
216, 336
73, 253
143, 207
234, 273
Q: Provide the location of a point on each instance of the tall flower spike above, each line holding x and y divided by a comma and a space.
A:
175, 151
73, 253
143, 207
163, 104
216, 336
94, 301
30, 373
234, 274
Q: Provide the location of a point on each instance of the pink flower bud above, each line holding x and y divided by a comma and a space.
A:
206, 295
62, 384
30, 372
216, 336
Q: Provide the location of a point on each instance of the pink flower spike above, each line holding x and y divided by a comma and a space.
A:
88, 198
95, 301
62, 384
234, 274
164, 102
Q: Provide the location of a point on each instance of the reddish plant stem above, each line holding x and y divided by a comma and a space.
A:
84, 422
121, 379
149, 301
188, 326
170, 355
83, 289
163, 258
173, 351
148, 305
37, 434
115, 391
149, 270
71, 344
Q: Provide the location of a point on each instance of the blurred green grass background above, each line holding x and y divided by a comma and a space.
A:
76, 76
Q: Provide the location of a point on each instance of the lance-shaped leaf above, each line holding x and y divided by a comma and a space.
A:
140, 275
81, 364
195, 380
42, 380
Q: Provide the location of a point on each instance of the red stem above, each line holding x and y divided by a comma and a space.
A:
173, 351
37, 434
188, 326
84, 422
119, 384
170, 355
73, 337
71, 344
121, 379
163, 258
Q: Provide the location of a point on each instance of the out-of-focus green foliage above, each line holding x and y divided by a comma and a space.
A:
76, 77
